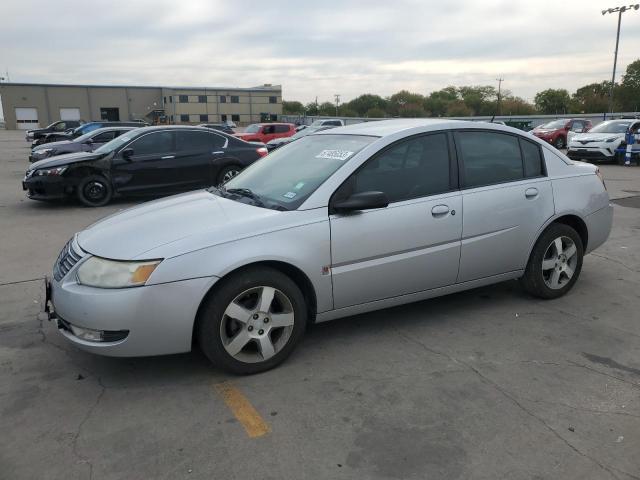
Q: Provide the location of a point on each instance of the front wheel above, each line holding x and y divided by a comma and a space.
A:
227, 173
555, 262
94, 191
252, 321
559, 143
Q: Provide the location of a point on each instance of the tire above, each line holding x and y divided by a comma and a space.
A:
559, 142
619, 158
227, 173
94, 191
241, 346
546, 265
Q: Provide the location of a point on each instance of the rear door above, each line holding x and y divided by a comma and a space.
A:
414, 243
150, 169
195, 153
506, 199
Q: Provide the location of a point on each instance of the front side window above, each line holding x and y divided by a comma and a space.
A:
411, 168
60, 126
281, 128
153, 143
194, 141
489, 158
286, 177
104, 137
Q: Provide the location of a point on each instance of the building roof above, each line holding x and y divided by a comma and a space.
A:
266, 88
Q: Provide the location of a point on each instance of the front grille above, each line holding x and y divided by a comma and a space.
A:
68, 257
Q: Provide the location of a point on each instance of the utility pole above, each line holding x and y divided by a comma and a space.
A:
620, 11
499, 80
337, 95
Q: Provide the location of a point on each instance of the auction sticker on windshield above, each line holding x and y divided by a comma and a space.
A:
335, 154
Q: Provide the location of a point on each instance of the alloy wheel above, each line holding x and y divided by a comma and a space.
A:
229, 175
257, 324
94, 191
559, 263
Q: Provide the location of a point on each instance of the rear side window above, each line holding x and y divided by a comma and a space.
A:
489, 158
104, 137
532, 159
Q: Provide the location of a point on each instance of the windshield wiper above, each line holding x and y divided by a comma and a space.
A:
245, 192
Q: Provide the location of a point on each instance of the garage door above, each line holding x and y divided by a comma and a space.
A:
69, 114
26, 118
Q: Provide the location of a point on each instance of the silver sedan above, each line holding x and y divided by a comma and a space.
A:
340, 222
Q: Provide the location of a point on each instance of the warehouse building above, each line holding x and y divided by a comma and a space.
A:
29, 105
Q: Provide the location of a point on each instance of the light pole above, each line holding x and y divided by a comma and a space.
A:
620, 11
337, 95
499, 80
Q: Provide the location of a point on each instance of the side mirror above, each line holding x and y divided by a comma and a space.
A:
127, 153
362, 201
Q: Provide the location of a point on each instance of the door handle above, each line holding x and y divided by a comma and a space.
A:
531, 192
217, 153
167, 157
439, 210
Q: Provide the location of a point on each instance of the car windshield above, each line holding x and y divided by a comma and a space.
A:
611, 126
115, 143
253, 128
556, 124
285, 178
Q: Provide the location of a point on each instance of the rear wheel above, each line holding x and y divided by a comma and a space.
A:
252, 321
94, 191
555, 262
227, 173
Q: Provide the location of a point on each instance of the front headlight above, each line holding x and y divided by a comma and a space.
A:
50, 172
103, 273
610, 140
44, 151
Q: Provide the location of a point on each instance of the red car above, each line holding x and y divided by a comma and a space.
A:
556, 132
263, 132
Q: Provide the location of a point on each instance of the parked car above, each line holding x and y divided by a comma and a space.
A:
144, 161
55, 127
605, 142
328, 122
223, 127
264, 132
81, 130
556, 132
279, 142
84, 143
341, 222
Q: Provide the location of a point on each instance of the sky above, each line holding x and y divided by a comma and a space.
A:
317, 48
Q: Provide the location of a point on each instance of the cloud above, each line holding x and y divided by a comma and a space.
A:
315, 48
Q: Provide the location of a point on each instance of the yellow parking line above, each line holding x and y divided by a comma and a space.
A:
253, 423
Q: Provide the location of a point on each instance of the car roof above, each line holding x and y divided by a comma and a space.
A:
111, 128
383, 128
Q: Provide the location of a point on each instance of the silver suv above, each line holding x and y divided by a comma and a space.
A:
340, 222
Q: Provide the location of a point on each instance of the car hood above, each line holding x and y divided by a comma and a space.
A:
66, 159
544, 131
594, 137
52, 145
179, 224
278, 141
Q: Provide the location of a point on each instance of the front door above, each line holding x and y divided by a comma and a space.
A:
414, 243
151, 167
506, 199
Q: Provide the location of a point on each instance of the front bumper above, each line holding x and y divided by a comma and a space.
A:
595, 152
47, 187
157, 319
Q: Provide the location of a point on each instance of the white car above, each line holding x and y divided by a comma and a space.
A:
602, 141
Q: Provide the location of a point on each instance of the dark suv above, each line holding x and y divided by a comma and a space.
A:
59, 126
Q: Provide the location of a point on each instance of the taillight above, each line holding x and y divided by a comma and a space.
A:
599, 174
262, 151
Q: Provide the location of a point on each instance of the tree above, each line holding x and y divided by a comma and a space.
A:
375, 113
345, 111
292, 108
366, 102
481, 99
629, 91
592, 98
327, 109
436, 103
516, 106
312, 108
552, 101
407, 101
458, 109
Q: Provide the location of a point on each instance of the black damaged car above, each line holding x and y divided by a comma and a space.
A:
146, 161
